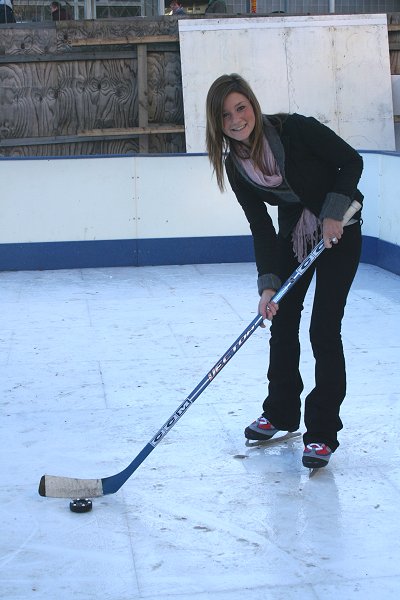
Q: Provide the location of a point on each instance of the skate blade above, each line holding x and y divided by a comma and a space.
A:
313, 471
274, 440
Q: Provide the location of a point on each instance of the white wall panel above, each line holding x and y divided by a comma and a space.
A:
230, 51
153, 197
178, 197
380, 184
310, 73
316, 65
270, 84
115, 198
396, 94
389, 209
364, 88
67, 200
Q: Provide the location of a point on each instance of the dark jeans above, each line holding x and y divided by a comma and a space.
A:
6, 14
335, 270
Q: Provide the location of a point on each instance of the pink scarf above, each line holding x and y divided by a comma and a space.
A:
305, 234
307, 230
270, 176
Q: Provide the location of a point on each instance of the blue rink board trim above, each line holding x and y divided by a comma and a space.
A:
156, 252
123, 253
380, 253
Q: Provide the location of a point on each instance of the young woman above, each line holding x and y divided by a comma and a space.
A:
298, 164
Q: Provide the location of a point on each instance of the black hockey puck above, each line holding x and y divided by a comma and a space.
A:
80, 505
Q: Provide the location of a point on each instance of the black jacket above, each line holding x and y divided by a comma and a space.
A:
321, 172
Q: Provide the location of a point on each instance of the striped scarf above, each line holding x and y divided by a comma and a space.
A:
308, 228
270, 176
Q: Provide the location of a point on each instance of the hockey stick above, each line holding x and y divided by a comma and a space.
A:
68, 487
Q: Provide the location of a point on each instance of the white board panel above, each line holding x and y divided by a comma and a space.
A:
153, 197
316, 65
363, 84
367, 135
389, 209
67, 200
237, 53
179, 197
396, 94
310, 73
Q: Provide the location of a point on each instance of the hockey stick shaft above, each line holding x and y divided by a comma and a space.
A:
66, 487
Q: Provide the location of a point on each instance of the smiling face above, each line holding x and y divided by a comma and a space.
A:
238, 118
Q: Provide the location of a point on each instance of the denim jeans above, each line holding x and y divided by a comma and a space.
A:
335, 269
6, 14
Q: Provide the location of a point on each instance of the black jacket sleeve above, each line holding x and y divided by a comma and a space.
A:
326, 167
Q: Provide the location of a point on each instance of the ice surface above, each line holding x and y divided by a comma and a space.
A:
93, 362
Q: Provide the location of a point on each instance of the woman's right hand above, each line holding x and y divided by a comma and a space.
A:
266, 308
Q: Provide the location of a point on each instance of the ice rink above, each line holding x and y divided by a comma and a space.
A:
94, 361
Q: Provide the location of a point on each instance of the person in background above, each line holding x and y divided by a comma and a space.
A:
177, 8
311, 175
6, 12
58, 13
216, 7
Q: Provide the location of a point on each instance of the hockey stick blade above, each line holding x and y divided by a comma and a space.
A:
67, 487
53, 486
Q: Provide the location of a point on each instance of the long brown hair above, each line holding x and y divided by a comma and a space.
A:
216, 141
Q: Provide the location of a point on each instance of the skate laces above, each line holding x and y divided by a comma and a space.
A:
260, 429
263, 423
318, 449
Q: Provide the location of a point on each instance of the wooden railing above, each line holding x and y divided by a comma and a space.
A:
99, 87
91, 87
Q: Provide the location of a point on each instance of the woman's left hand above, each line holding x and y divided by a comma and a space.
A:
266, 308
332, 231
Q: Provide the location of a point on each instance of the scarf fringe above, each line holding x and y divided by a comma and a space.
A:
306, 234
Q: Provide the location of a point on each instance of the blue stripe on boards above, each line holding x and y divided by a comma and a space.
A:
381, 254
154, 252
67, 255
121, 253
195, 250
